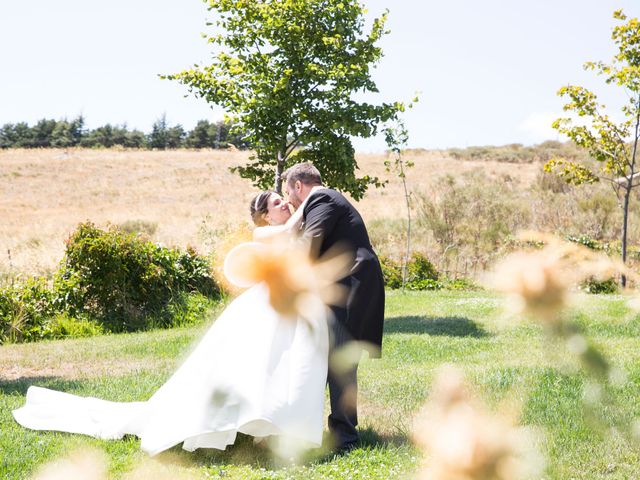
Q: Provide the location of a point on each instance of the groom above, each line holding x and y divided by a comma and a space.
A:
330, 220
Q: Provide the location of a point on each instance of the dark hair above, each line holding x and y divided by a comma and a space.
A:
306, 173
259, 207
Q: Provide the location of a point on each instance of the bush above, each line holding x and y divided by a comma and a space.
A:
420, 268
109, 281
600, 286
461, 284
24, 311
421, 275
392, 273
188, 309
62, 326
126, 283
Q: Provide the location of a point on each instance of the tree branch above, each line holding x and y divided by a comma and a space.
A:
635, 143
292, 146
623, 180
615, 132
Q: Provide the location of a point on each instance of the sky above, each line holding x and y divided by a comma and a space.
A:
487, 72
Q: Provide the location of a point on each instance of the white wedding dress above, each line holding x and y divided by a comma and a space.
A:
253, 372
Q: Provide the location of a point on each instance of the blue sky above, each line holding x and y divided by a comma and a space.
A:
488, 71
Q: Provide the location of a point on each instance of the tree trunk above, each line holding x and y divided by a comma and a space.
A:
279, 171
625, 221
408, 251
627, 193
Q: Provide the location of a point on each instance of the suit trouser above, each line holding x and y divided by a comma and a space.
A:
343, 390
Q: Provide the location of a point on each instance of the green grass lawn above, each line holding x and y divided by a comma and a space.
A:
505, 360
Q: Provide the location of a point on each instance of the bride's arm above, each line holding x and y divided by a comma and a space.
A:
268, 232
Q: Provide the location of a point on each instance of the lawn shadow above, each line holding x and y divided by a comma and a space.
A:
244, 452
20, 385
370, 438
439, 326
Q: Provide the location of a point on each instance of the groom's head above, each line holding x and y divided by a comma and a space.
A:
299, 180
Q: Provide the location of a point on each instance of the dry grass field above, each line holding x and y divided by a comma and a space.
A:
185, 194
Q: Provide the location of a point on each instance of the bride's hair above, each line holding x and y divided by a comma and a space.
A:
259, 207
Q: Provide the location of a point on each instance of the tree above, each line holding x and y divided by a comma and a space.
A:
199, 137
175, 136
23, 135
158, 137
100, 137
612, 145
61, 135
135, 139
41, 133
67, 134
396, 136
8, 136
285, 72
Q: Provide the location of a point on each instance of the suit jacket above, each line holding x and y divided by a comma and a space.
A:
330, 220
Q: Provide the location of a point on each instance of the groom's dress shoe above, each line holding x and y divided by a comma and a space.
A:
345, 448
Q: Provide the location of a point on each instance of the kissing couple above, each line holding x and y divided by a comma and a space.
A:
256, 370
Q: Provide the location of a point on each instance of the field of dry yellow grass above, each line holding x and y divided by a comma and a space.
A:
185, 194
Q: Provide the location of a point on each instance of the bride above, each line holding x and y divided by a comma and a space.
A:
254, 372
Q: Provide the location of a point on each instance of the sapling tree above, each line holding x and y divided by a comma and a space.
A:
397, 137
613, 145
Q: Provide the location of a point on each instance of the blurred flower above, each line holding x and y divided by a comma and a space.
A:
463, 441
220, 241
85, 464
535, 281
169, 466
297, 285
79, 465
348, 355
539, 280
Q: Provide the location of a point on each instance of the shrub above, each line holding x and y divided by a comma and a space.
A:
585, 241
421, 274
600, 286
461, 284
392, 273
24, 310
126, 283
420, 268
62, 326
188, 309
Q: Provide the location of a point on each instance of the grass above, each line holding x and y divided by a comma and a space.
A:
505, 360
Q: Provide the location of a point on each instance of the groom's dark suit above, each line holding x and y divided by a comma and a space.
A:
330, 220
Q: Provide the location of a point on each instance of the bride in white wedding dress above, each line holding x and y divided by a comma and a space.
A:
253, 372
